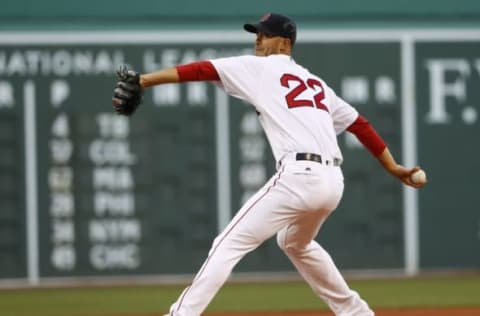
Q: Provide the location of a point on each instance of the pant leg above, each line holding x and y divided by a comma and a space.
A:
317, 267
260, 218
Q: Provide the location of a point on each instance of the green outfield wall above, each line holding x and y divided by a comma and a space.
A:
214, 13
85, 192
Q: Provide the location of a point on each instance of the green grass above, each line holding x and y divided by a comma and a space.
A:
431, 292
437, 292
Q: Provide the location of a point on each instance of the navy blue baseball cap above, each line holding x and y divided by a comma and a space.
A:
274, 24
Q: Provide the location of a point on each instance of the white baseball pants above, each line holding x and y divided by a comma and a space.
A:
293, 204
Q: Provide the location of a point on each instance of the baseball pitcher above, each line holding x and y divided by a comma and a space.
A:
301, 116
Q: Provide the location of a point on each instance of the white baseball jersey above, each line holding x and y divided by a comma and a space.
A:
298, 111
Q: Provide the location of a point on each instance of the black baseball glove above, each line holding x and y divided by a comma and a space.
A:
128, 93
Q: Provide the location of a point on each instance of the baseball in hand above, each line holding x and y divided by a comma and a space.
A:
419, 176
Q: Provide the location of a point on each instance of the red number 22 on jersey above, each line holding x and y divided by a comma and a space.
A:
292, 97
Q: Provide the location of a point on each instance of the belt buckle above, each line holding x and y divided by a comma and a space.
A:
313, 157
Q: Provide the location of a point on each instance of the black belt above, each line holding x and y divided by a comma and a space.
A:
317, 158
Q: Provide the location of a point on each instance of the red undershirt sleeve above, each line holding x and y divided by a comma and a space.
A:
367, 135
197, 71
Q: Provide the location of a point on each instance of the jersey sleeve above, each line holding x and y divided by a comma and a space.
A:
197, 71
343, 114
239, 76
367, 135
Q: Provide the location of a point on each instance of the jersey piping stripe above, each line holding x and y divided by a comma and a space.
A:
227, 233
